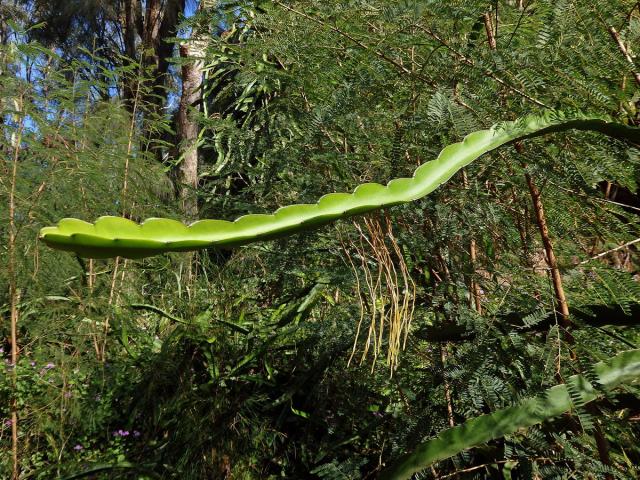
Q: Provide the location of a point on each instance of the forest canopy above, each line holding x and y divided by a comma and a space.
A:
477, 318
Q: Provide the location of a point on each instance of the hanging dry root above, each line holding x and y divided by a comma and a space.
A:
379, 268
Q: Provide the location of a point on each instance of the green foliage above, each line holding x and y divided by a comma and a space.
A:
233, 363
578, 390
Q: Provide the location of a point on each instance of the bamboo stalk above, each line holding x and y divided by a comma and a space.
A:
447, 387
476, 298
552, 262
14, 296
488, 26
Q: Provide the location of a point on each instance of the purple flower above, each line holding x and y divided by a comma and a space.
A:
78, 447
49, 366
1, 349
8, 423
33, 364
136, 433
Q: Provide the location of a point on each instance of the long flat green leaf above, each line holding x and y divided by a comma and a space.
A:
623, 368
159, 311
112, 236
96, 469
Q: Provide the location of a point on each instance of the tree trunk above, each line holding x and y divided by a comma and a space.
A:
151, 36
160, 21
187, 130
154, 29
130, 30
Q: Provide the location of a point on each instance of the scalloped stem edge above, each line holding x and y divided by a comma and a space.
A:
113, 236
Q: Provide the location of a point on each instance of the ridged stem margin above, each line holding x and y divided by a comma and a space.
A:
112, 236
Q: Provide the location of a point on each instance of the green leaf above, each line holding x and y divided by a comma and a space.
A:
234, 326
300, 413
112, 236
106, 467
159, 311
623, 368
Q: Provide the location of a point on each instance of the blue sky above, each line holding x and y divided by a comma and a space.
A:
190, 7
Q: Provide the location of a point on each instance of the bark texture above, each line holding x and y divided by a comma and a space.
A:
187, 129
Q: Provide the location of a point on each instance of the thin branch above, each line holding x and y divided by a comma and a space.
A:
515, 30
550, 254
466, 60
600, 255
379, 53
616, 37
14, 293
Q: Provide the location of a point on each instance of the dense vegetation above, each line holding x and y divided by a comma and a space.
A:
504, 304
